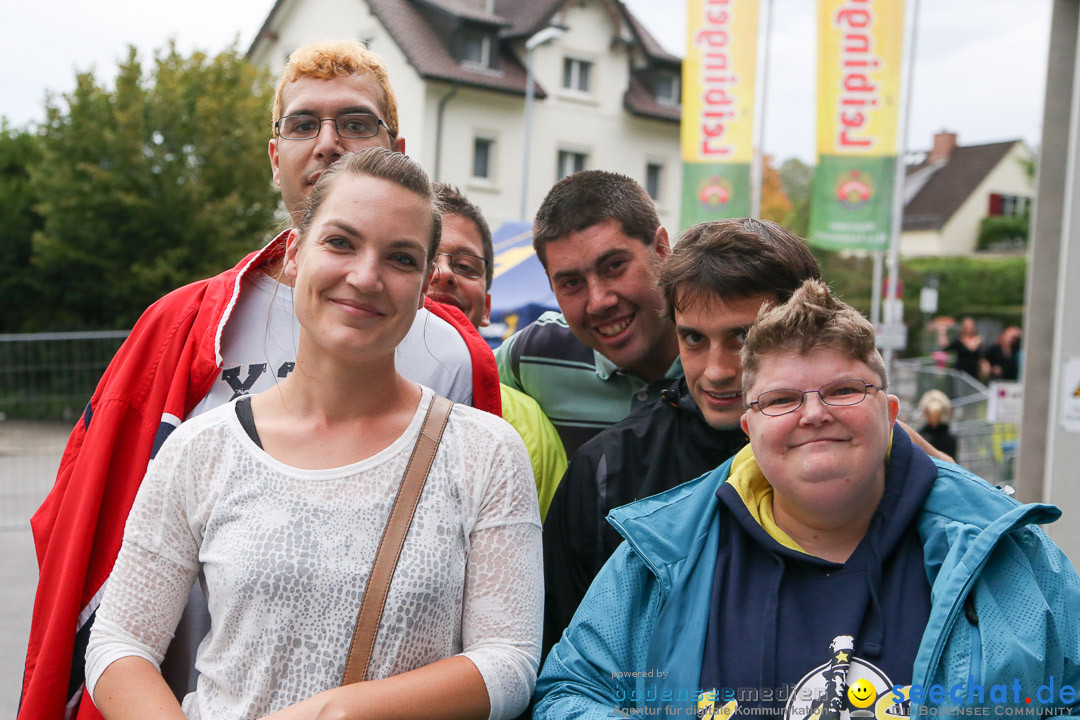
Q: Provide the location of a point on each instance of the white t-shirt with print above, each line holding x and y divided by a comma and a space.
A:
258, 347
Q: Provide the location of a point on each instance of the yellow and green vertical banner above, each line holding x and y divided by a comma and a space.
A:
719, 77
860, 44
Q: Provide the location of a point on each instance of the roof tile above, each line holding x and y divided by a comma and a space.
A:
427, 54
475, 10
639, 101
526, 16
652, 48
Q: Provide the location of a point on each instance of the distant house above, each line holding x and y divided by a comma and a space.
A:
607, 95
951, 188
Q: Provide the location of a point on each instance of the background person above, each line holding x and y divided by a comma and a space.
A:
201, 346
464, 268
1003, 357
831, 548
968, 346
280, 500
936, 411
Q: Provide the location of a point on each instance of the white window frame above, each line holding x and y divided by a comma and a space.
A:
676, 90
570, 154
489, 137
661, 183
485, 52
577, 61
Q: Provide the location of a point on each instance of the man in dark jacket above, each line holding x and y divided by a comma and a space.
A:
714, 283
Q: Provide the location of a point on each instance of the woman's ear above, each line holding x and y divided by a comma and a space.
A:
427, 285
292, 244
894, 408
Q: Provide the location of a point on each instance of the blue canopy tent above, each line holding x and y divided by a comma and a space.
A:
520, 292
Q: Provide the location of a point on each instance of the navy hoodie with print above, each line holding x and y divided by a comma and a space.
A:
787, 627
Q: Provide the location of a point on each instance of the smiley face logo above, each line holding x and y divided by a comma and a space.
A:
862, 694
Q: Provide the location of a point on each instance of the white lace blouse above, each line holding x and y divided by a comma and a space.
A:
286, 553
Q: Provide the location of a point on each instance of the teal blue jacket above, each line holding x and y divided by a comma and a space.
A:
646, 613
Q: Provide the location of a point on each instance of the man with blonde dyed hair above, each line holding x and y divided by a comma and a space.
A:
341, 82
329, 60
204, 345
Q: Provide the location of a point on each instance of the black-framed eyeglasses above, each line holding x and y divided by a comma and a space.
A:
849, 391
350, 125
463, 264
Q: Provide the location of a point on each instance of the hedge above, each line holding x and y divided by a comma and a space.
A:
984, 287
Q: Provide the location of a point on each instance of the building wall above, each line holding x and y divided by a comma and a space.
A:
915, 243
596, 123
472, 113
961, 232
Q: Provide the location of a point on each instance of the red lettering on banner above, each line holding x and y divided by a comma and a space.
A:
855, 101
847, 140
714, 130
708, 150
720, 17
717, 82
857, 63
718, 96
856, 119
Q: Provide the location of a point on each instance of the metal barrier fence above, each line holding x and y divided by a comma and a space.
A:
46, 380
986, 448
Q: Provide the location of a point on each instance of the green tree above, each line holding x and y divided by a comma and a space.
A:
797, 179
19, 151
775, 204
155, 182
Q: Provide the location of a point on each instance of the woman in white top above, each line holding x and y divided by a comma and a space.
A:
279, 502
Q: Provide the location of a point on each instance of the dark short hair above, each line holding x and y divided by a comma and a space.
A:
383, 164
589, 197
735, 259
453, 202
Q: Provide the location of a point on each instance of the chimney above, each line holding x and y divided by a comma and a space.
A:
944, 144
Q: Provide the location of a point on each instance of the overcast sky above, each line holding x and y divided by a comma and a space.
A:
980, 64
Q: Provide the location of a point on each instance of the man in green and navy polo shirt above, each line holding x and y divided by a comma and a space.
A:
612, 348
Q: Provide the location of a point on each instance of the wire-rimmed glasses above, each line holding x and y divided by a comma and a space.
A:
849, 391
349, 125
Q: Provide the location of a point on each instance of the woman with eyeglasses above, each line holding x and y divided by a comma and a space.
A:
829, 570
277, 503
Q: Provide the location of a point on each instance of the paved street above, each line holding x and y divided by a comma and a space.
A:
18, 578
29, 456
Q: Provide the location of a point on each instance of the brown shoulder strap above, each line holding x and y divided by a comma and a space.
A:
397, 526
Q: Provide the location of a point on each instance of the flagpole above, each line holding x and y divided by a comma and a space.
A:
758, 161
875, 294
908, 70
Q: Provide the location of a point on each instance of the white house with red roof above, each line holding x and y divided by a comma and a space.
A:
951, 188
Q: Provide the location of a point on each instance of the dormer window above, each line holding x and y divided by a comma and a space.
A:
666, 88
474, 47
577, 75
